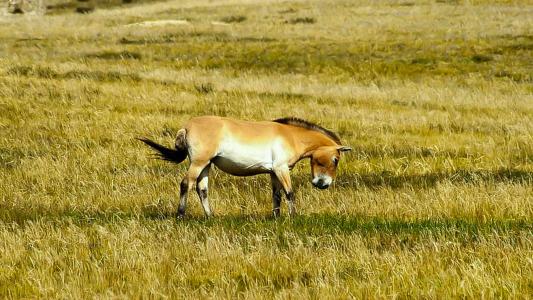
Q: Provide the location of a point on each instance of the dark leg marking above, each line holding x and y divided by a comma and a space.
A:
202, 188
202, 193
276, 196
276, 202
183, 197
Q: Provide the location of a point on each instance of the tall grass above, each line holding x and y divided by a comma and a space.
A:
435, 201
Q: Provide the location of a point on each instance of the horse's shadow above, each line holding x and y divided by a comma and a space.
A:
329, 223
306, 224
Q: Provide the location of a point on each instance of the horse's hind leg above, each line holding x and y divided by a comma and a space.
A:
188, 183
277, 188
202, 189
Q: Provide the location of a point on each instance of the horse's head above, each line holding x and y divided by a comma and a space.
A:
324, 161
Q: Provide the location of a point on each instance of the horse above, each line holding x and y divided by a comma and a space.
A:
246, 148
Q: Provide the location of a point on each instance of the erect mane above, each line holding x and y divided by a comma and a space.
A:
312, 126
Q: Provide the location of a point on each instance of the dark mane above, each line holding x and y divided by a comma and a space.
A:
312, 126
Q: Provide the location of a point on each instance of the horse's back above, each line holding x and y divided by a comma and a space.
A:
215, 128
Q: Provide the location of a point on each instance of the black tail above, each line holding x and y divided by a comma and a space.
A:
165, 153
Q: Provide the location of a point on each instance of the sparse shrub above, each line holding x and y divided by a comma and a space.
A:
448, 1
479, 58
84, 10
303, 20
25, 7
233, 19
85, 6
514, 76
406, 4
204, 88
288, 11
125, 54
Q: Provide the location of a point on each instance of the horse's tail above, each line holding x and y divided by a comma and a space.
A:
173, 155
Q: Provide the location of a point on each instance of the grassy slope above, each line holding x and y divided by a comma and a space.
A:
435, 97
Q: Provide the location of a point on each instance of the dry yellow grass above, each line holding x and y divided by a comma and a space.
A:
435, 97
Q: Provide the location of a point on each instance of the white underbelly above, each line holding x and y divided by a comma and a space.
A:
238, 168
243, 160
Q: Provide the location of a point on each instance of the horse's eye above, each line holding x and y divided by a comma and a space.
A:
335, 161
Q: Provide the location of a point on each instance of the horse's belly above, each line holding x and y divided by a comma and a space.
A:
244, 160
239, 168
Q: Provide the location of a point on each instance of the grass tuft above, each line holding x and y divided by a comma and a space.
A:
302, 20
204, 88
233, 19
479, 58
112, 55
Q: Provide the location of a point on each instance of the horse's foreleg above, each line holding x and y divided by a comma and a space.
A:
184, 186
277, 187
202, 189
283, 175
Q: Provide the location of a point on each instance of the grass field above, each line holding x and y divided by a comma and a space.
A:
435, 201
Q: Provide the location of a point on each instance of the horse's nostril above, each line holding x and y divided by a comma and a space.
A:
321, 183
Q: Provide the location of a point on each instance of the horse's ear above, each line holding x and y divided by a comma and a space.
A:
344, 148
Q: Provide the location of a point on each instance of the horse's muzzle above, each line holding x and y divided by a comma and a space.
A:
321, 184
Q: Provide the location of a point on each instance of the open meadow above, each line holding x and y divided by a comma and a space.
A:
435, 201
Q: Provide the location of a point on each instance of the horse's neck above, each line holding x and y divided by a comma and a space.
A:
308, 141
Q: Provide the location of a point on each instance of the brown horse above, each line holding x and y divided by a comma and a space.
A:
245, 148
